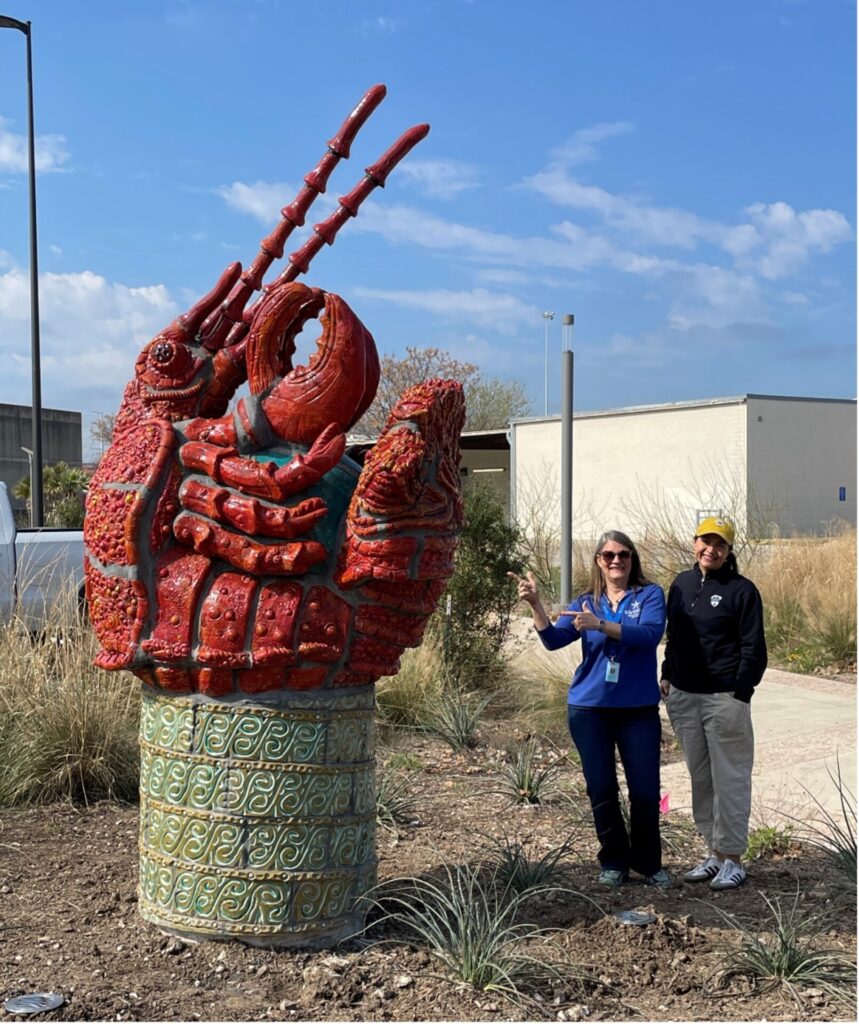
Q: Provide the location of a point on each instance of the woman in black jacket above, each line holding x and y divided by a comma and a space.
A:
715, 656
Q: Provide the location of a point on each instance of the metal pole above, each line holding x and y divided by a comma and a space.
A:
546, 318
36, 503
29, 453
567, 459
36, 368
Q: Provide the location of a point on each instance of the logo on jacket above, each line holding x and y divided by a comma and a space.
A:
715, 599
634, 609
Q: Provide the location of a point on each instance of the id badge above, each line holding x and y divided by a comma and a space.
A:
612, 672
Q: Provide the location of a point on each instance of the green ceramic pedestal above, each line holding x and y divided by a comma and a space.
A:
257, 818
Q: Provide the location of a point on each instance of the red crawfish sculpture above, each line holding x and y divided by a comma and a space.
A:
259, 581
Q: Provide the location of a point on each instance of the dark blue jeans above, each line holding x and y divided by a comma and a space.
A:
635, 734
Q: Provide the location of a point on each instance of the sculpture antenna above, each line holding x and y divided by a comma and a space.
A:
217, 326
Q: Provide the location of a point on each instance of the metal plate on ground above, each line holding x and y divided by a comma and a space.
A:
636, 917
35, 1002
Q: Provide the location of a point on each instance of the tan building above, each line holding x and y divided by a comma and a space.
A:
779, 465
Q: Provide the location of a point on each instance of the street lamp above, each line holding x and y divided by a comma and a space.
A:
567, 458
547, 317
29, 453
36, 503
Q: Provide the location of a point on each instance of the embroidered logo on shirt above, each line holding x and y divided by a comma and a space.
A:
715, 599
633, 610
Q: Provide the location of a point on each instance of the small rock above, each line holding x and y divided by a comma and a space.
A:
337, 964
173, 946
262, 970
403, 980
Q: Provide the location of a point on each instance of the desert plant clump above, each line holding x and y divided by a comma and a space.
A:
537, 687
783, 954
526, 777
396, 799
467, 921
516, 865
455, 718
68, 731
808, 586
406, 699
834, 835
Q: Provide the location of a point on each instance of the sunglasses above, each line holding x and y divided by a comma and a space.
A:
609, 556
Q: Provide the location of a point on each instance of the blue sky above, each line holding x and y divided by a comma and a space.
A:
681, 176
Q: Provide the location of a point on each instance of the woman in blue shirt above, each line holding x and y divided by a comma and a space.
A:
613, 702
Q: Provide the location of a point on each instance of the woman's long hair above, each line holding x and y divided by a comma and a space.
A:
636, 573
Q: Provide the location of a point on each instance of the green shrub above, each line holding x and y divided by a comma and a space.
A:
481, 596
767, 841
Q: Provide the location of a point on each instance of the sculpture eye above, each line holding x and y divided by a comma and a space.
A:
169, 359
163, 352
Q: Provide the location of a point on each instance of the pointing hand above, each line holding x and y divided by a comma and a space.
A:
526, 588
586, 619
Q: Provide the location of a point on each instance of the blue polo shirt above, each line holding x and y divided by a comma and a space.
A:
641, 614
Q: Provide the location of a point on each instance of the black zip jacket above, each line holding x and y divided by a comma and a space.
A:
715, 641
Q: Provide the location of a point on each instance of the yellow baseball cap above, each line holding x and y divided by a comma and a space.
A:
723, 528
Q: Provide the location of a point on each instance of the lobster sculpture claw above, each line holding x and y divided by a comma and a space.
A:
258, 581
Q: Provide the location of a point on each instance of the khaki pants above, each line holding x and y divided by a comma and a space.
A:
715, 732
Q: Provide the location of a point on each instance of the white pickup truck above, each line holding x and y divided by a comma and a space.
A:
40, 570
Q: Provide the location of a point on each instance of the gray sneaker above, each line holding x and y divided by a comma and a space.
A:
659, 878
612, 879
705, 871
731, 876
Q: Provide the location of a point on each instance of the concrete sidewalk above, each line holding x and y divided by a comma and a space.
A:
804, 727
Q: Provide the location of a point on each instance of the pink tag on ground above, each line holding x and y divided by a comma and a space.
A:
663, 805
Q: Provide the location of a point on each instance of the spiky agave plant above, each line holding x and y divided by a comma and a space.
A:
782, 954
467, 921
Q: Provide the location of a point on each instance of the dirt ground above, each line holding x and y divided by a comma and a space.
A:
69, 923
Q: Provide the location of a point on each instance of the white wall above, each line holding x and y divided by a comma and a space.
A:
631, 466
800, 452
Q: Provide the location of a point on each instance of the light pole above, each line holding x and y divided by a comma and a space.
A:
547, 317
36, 503
567, 458
29, 453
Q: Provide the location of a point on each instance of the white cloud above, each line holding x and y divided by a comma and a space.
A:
262, 200
493, 275
788, 237
51, 151
503, 313
380, 25
581, 147
91, 331
628, 215
775, 242
442, 179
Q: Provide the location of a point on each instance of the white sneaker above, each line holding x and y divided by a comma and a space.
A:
704, 871
730, 876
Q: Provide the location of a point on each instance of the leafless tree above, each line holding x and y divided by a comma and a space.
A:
489, 402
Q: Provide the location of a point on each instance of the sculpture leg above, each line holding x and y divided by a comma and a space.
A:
257, 818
